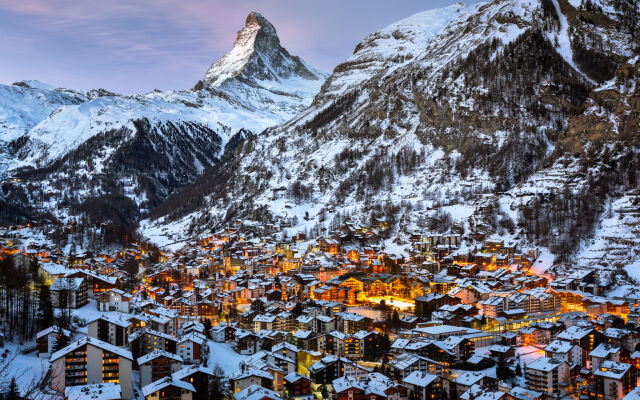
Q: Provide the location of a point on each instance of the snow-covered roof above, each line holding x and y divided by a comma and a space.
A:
165, 382
87, 340
255, 392
96, 391
545, 364
158, 353
419, 378
55, 329
559, 346
67, 284
525, 394
613, 370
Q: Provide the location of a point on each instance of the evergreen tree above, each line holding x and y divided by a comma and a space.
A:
207, 327
45, 306
12, 393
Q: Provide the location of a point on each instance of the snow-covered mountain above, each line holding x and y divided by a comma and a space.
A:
146, 145
430, 120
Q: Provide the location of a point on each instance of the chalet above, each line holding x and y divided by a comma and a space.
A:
246, 377
157, 365
422, 386
69, 292
168, 388
110, 328
297, 385
114, 300
49, 339
548, 375
191, 346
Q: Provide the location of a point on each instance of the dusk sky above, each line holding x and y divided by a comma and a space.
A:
133, 46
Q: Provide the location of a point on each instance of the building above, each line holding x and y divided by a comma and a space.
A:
48, 339
422, 385
114, 300
157, 365
548, 375
110, 328
91, 361
613, 380
168, 388
69, 293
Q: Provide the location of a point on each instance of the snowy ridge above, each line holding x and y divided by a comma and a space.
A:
188, 130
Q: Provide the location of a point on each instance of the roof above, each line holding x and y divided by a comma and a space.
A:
67, 284
94, 342
559, 346
344, 383
525, 394
158, 353
255, 392
97, 391
165, 382
545, 364
633, 395
419, 378
603, 350
190, 370
55, 329
613, 370
294, 376
575, 332
469, 378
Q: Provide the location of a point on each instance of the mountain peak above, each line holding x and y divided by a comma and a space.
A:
258, 56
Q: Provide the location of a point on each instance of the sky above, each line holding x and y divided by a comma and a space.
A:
135, 46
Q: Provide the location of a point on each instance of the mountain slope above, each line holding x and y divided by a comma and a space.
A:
140, 148
429, 115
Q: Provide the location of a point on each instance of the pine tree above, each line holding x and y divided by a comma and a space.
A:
45, 306
13, 393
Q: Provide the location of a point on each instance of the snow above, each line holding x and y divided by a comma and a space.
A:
27, 369
564, 42
225, 356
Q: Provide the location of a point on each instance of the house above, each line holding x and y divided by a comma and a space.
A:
548, 375
565, 351
422, 386
347, 388
91, 361
115, 300
402, 365
613, 380
168, 388
296, 385
49, 272
247, 376
223, 333
69, 293
157, 365
144, 341
255, 392
111, 328
48, 339
332, 367
190, 347
467, 379
199, 377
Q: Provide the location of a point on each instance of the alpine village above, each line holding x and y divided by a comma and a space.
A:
453, 213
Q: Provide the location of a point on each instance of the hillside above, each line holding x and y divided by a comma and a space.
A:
429, 121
